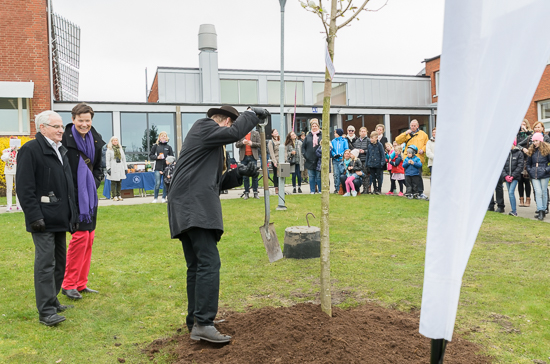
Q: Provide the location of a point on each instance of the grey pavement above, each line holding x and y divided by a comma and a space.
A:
525, 212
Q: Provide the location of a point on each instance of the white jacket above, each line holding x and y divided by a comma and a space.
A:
117, 169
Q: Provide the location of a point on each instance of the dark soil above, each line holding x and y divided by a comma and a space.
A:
304, 334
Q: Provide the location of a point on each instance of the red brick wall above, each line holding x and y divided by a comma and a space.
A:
432, 67
154, 93
542, 93
24, 54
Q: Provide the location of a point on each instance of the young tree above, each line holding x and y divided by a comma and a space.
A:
345, 11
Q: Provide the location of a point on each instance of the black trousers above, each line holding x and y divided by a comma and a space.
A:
413, 184
203, 275
499, 192
50, 256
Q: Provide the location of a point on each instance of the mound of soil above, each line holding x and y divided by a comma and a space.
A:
304, 334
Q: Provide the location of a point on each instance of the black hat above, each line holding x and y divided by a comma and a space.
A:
224, 110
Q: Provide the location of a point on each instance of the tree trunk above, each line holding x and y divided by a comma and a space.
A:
326, 304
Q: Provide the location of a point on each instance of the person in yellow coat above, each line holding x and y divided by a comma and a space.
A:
418, 138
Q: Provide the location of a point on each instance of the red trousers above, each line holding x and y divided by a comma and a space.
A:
79, 255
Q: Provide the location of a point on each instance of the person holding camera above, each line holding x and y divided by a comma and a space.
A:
195, 212
338, 146
248, 153
115, 160
46, 192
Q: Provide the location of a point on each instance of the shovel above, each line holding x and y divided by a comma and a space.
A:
267, 230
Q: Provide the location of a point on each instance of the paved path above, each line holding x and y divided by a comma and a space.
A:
526, 212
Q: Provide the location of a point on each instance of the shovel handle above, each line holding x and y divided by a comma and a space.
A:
265, 172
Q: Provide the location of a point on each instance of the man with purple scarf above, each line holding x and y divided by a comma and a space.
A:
84, 145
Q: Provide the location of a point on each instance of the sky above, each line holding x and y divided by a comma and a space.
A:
122, 38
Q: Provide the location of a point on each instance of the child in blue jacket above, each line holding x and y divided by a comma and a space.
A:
413, 167
338, 146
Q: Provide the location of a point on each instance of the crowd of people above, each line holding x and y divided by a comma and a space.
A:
57, 189
361, 161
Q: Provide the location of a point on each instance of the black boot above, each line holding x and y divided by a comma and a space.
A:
294, 190
541, 215
537, 214
299, 190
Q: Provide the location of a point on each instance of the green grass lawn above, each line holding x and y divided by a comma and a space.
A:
377, 254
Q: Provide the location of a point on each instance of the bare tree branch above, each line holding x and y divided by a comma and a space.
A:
353, 16
347, 8
379, 7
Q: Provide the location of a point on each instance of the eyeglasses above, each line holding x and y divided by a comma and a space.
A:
57, 127
351, 131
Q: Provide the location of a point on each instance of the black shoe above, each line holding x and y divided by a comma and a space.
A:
540, 217
294, 190
256, 195
546, 211
299, 190
500, 210
245, 196
51, 320
71, 293
491, 209
208, 333
62, 308
536, 214
88, 290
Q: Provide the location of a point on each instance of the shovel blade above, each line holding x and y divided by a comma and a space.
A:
271, 243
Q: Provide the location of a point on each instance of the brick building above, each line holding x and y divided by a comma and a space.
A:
539, 108
25, 77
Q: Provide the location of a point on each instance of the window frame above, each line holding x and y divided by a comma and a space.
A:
539, 111
436, 80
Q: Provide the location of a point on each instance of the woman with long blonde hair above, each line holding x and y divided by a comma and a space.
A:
159, 151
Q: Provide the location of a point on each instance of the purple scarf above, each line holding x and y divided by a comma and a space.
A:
87, 192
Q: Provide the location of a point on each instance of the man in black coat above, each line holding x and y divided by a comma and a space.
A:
195, 213
45, 190
84, 145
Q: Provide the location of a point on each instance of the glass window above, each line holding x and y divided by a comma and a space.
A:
293, 90
229, 91
66, 117
436, 76
544, 109
103, 124
188, 120
162, 122
9, 115
134, 136
248, 92
140, 131
25, 117
338, 94
14, 116
239, 91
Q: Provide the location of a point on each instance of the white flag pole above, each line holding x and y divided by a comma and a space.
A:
494, 53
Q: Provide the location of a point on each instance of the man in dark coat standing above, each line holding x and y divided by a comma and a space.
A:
45, 190
195, 213
84, 145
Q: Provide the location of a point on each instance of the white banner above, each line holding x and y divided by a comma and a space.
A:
328, 62
494, 54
